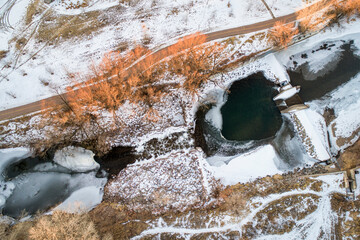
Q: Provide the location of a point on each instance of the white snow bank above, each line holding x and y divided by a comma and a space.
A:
76, 159
277, 67
312, 133
286, 94
214, 114
83, 199
11, 155
345, 100
174, 181
7, 157
249, 166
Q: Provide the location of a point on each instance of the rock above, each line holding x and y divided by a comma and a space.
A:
76, 159
350, 158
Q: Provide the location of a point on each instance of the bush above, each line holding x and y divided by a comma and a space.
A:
282, 34
65, 226
325, 13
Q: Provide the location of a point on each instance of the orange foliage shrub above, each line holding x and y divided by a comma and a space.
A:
351, 7
281, 35
195, 61
133, 77
310, 18
326, 12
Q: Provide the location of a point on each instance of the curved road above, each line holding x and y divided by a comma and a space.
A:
37, 106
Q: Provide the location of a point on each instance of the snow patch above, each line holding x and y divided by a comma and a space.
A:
286, 94
214, 115
345, 100
277, 67
311, 128
83, 199
175, 181
11, 155
247, 167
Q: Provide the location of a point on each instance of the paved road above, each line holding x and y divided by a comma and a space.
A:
37, 106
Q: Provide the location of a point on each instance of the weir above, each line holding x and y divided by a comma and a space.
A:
313, 136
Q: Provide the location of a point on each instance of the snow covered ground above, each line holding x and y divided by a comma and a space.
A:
174, 181
345, 101
246, 167
34, 70
311, 127
307, 215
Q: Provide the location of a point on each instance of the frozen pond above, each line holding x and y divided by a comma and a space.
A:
246, 119
243, 119
336, 65
249, 112
33, 185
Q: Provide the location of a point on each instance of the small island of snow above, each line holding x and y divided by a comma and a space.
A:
76, 159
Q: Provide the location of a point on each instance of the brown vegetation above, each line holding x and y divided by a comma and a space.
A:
64, 27
325, 13
18, 231
351, 157
281, 35
195, 62
3, 54
136, 79
32, 10
62, 225
3, 229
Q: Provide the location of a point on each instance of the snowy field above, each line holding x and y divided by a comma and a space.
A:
24, 83
32, 70
310, 216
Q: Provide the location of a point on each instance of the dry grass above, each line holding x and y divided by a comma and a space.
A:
63, 225
33, 9
79, 4
351, 157
326, 13
352, 227
19, 43
18, 232
3, 54
60, 225
3, 229
65, 27
236, 203
281, 215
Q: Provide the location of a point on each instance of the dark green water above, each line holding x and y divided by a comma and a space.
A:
250, 113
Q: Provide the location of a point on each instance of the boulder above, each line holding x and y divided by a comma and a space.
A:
76, 159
